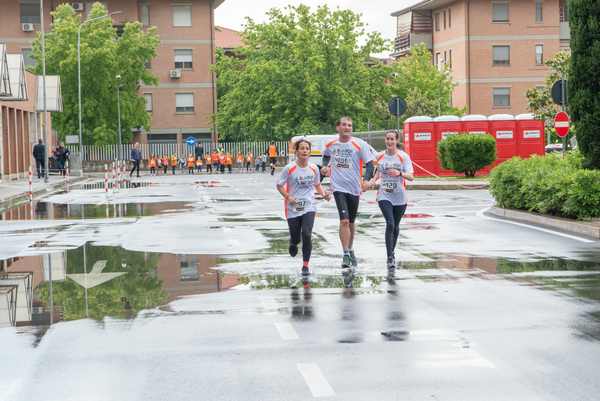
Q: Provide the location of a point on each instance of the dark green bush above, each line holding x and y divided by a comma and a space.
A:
467, 153
548, 184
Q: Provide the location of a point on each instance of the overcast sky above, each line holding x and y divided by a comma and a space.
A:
376, 13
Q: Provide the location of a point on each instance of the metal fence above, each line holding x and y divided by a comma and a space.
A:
181, 150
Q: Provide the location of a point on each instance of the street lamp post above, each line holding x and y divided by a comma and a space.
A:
44, 106
79, 77
119, 116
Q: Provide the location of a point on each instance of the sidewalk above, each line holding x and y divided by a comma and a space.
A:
12, 191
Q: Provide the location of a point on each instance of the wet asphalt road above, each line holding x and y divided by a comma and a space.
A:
479, 309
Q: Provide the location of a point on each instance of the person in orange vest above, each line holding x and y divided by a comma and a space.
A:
152, 164
173, 163
222, 162
207, 160
249, 160
214, 158
191, 163
272, 156
199, 162
239, 160
229, 162
165, 163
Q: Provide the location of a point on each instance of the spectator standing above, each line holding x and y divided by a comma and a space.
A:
39, 154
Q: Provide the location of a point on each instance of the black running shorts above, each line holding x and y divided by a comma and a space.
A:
347, 205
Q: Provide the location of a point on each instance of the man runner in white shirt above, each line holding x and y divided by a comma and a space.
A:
343, 160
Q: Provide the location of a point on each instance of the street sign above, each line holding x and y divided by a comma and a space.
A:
561, 124
190, 140
397, 106
71, 139
558, 92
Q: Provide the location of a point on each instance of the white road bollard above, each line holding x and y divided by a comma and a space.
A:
106, 180
30, 194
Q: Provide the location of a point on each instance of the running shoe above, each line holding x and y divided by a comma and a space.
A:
353, 260
305, 271
346, 261
293, 250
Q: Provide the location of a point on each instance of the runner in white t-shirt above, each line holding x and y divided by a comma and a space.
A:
343, 160
297, 183
394, 167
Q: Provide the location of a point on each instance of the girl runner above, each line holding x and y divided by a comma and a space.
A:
297, 183
394, 168
152, 165
165, 164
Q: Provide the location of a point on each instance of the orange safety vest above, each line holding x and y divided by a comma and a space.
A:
199, 162
214, 157
207, 159
240, 158
191, 162
250, 157
221, 158
173, 161
152, 162
228, 160
272, 151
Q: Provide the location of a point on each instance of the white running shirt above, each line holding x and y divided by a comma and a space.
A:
300, 183
346, 164
393, 189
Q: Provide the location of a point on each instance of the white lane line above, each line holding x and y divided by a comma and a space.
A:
544, 230
316, 382
286, 331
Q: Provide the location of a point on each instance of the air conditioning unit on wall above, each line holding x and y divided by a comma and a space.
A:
175, 74
77, 6
27, 27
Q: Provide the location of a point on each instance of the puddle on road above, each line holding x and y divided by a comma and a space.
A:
41, 210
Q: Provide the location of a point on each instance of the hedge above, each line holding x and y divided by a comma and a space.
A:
467, 153
548, 184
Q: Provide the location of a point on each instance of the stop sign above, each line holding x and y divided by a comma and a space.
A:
561, 124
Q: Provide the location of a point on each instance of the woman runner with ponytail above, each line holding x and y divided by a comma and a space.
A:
394, 168
297, 183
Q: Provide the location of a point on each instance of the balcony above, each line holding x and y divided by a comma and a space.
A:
403, 43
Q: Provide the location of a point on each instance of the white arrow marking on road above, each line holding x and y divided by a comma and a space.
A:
316, 382
286, 331
95, 277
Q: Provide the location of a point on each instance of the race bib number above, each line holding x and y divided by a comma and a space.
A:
300, 205
342, 162
389, 186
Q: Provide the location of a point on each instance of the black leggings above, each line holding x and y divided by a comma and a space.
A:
136, 166
301, 228
393, 215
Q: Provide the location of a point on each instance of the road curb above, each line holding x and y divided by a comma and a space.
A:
588, 229
447, 187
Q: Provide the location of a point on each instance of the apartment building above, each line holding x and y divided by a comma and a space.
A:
495, 49
184, 101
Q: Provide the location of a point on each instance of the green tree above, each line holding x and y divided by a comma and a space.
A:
584, 84
298, 73
539, 100
427, 90
105, 53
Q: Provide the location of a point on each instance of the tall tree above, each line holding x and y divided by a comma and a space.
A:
539, 100
105, 54
584, 85
426, 89
298, 73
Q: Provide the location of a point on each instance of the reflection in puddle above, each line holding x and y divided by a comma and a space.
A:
48, 211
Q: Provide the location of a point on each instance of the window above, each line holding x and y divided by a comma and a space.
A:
539, 54
184, 102
28, 57
182, 15
144, 10
444, 20
501, 97
501, 55
539, 10
437, 60
437, 21
445, 58
450, 58
449, 18
148, 99
30, 11
183, 58
500, 11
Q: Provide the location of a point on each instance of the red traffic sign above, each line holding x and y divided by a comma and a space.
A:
561, 124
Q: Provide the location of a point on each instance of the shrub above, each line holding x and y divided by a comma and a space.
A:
467, 153
548, 184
